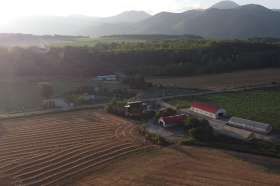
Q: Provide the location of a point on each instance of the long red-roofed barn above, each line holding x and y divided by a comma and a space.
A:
208, 110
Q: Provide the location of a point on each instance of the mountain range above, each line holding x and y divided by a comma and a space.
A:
224, 20
68, 25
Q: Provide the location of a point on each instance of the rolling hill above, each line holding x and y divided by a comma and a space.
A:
240, 22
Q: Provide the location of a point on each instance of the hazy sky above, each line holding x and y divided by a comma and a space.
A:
15, 8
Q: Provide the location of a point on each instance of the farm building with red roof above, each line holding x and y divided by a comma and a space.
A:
171, 121
208, 110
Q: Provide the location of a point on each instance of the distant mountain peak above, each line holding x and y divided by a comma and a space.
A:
128, 17
225, 5
134, 12
255, 7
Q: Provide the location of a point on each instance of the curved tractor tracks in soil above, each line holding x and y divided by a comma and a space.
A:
59, 148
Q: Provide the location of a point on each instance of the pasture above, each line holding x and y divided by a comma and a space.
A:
58, 149
221, 81
258, 105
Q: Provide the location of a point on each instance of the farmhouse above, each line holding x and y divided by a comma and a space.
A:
171, 121
254, 126
208, 110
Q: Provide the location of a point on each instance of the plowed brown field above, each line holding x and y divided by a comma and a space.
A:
59, 149
78, 148
191, 167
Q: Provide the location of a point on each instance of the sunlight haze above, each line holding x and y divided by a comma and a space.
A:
139, 92
15, 8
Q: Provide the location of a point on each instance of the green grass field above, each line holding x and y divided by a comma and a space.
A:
258, 105
92, 42
18, 95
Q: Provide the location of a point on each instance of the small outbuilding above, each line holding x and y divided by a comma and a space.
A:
56, 103
236, 133
110, 77
208, 110
171, 121
254, 126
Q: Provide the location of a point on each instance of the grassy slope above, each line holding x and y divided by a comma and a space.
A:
260, 105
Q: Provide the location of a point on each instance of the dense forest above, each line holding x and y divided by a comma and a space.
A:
157, 58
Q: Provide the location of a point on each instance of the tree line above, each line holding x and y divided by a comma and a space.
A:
158, 58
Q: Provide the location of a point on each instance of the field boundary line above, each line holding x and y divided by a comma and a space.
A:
46, 112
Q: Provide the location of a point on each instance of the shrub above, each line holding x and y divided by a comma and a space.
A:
154, 138
199, 129
46, 90
192, 122
148, 115
165, 112
116, 107
136, 81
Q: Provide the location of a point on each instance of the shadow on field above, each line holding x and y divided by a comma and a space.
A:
5, 181
2, 130
267, 163
184, 151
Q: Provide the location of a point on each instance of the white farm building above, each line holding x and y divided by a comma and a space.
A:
56, 103
208, 110
254, 126
111, 77
236, 133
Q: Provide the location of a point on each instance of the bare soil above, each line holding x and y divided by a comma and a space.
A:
87, 148
59, 149
192, 166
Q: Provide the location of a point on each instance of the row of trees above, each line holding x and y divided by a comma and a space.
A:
166, 58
